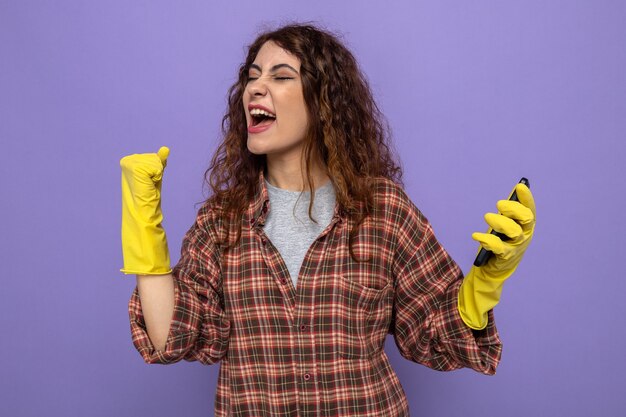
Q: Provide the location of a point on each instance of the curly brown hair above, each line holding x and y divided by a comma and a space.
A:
346, 129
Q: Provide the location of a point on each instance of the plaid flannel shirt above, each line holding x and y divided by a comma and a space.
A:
317, 350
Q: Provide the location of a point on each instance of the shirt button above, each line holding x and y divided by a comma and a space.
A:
307, 377
283, 280
303, 327
264, 241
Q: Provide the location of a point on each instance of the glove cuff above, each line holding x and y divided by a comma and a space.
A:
145, 251
469, 312
477, 295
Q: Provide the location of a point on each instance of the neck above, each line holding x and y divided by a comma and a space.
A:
290, 176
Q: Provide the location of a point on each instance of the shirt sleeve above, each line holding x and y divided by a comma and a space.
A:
427, 326
199, 328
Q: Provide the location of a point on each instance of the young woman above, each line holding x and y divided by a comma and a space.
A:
309, 252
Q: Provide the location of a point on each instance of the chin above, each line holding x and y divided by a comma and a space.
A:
256, 149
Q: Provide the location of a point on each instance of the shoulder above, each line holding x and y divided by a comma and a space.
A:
397, 209
387, 188
392, 197
209, 218
220, 224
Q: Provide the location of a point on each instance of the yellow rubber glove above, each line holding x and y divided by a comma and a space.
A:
144, 244
482, 286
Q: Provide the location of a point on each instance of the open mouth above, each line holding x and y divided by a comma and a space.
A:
261, 117
262, 120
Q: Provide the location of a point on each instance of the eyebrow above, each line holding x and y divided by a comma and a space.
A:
274, 68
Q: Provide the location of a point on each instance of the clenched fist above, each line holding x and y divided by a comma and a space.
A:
144, 244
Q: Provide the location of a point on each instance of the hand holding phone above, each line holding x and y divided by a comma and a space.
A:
484, 255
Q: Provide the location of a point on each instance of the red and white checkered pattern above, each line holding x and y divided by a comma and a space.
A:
317, 350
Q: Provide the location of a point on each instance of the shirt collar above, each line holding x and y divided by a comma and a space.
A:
260, 205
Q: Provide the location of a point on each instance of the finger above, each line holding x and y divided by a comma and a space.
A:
516, 211
125, 162
526, 197
163, 153
490, 242
503, 224
143, 167
129, 163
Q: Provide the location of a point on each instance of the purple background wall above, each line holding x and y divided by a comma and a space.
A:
477, 93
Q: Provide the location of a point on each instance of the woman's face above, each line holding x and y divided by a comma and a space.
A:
275, 85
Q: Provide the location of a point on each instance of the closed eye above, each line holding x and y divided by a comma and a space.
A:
277, 78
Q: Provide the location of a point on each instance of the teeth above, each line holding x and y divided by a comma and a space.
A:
259, 112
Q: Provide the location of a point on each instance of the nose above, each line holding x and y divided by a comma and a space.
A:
258, 87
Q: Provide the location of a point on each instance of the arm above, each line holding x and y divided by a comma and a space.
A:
156, 293
197, 328
175, 315
427, 326
144, 244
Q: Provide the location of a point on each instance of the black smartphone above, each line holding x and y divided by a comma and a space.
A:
484, 254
